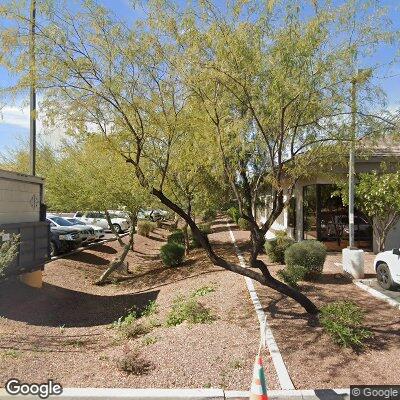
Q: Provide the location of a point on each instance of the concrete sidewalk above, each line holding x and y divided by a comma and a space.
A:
185, 394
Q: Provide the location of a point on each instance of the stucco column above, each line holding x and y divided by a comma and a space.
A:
299, 212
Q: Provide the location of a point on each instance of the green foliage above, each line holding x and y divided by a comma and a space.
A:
189, 310
150, 310
243, 224
233, 212
309, 254
293, 274
202, 291
209, 215
8, 251
125, 320
205, 228
377, 195
172, 254
177, 237
145, 227
149, 340
343, 321
276, 247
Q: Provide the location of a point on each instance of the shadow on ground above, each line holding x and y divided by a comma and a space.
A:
57, 306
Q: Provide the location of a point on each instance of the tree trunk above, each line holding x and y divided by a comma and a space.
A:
264, 278
111, 226
117, 262
185, 229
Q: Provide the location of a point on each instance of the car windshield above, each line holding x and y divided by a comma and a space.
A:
75, 221
61, 221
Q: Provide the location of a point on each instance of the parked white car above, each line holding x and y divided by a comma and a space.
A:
98, 231
387, 267
99, 219
152, 215
86, 233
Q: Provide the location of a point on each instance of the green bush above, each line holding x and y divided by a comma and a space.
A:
177, 237
209, 215
243, 224
172, 254
310, 254
205, 229
145, 227
343, 321
276, 247
189, 310
234, 214
293, 274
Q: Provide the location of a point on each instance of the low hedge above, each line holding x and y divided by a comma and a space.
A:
309, 254
145, 227
172, 254
177, 237
275, 248
243, 224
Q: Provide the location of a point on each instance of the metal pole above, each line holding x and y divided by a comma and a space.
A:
32, 137
352, 161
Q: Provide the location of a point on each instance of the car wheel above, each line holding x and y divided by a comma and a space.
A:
384, 277
117, 228
53, 249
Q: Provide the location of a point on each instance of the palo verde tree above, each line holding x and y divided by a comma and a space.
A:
258, 87
377, 196
91, 177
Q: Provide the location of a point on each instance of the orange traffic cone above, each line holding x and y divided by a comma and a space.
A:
258, 389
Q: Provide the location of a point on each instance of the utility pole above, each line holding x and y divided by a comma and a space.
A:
361, 76
353, 129
32, 136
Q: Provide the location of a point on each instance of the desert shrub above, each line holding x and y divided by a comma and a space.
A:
343, 320
125, 320
205, 228
150, 309
292, 274
243, 224
133, 363
145, 227
209, 215
172, 254
135, 329
310, 254
177, 237
189, 310
276, 247
8, 251
233, 212
203, 290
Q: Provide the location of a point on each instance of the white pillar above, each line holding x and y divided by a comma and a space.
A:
353, 262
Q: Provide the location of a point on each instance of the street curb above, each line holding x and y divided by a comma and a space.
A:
364, 286
186, 394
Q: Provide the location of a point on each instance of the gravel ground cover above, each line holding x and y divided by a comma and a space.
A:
312, 359
63, 330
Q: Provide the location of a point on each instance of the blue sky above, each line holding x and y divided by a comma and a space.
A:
14, 125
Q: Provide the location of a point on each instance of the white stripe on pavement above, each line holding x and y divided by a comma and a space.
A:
280, 367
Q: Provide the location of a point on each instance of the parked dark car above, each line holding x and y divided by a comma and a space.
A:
63, 240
